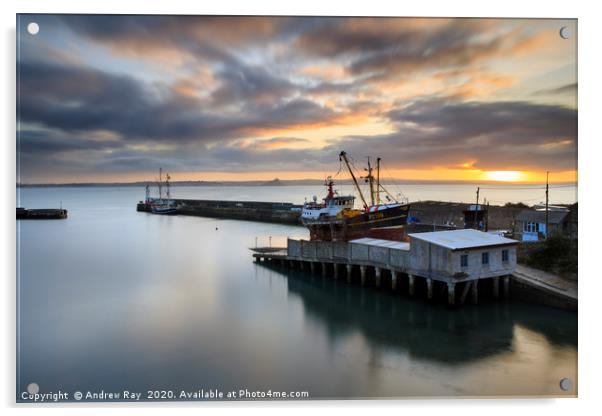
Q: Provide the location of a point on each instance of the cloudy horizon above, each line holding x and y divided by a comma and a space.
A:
108, 98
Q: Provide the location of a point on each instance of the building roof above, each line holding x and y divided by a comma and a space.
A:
463, 239
529, 215
399, 245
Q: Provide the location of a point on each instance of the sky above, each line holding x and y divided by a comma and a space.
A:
108, 98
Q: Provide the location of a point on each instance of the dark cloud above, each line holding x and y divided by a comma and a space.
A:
86, 119
46, 143
76, 99
202, 36
564, 89
241, 83
396, 46
498, 135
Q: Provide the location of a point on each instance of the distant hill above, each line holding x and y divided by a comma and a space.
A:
273, 182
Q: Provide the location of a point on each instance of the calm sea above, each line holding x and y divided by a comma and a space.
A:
112, 299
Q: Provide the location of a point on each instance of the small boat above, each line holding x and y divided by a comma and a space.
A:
161, 206
164, 210
336, 220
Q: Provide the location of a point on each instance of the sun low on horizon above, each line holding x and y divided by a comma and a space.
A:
111, 98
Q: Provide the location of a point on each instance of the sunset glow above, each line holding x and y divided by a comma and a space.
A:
505, 175
113, 98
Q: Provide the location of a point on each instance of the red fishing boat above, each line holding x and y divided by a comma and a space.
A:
335, 219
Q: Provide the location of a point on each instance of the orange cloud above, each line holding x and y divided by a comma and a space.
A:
329, 72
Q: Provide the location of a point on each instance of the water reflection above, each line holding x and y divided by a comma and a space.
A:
496, 336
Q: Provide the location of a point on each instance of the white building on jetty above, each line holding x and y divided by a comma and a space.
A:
457, 257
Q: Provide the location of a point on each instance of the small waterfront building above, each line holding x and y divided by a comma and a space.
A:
531, 224
475, 216
467, 254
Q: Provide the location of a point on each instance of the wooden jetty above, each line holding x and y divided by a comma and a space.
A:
456, 263
41, 214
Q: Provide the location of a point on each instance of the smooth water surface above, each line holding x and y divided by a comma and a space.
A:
114, 299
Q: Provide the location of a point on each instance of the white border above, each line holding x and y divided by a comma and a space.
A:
589, 189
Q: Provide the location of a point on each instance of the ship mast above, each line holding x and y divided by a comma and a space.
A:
167, 178
370, 178
343, 157
160, 185
378, 181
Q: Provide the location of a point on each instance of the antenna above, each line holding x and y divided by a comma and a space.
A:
547, 200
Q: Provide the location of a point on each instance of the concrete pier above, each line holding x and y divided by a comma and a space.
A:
475, 293
349, 268
363, 275
377, 276
496, 287
429, 288
335, 271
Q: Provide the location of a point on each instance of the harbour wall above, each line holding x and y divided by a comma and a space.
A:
275, 212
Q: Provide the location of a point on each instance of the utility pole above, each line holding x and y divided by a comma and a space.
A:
547, 201
476, 211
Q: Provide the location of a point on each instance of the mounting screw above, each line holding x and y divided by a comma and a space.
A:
566, 384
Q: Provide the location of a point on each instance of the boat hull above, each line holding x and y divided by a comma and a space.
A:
346, 229
164, 211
